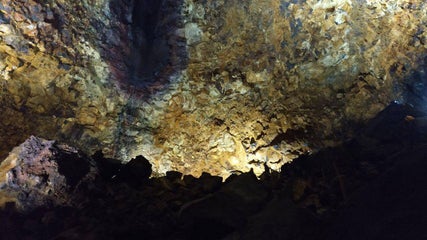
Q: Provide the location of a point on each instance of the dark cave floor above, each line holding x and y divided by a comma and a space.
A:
371, 187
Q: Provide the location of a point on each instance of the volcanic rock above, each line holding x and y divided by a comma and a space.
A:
43, 173
374, 182
205, 86
136, 172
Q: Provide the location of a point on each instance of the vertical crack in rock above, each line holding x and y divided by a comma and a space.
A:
157, 47
151, 52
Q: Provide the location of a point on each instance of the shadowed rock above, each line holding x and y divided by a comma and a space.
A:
42, 173
136, 172
371, 187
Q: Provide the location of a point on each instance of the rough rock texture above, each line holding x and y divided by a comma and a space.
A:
371, 187
212, 86
44, 173
53, 81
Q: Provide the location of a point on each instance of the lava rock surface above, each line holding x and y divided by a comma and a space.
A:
370, 187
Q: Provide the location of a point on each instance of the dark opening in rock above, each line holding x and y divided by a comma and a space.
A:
155, 52
72, 167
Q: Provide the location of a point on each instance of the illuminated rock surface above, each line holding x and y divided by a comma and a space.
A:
371, 187
213, 86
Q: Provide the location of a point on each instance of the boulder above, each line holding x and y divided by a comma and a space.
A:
40, 172
108, 167
136, 172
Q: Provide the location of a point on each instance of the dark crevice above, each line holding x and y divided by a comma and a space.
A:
150, 49
145, 18
146, 46
156, 51
72, 167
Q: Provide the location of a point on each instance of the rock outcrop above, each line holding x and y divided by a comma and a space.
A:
54, 82
371, 187
205, 86
44, 173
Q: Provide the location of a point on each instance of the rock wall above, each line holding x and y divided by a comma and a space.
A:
40, 173
54, 81
197, 86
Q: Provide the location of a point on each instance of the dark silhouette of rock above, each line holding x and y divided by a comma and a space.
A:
136, 172
224, 211
210, 183
280, 219
173, 175
108, 167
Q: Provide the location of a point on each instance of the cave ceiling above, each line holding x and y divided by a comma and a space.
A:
202, 85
